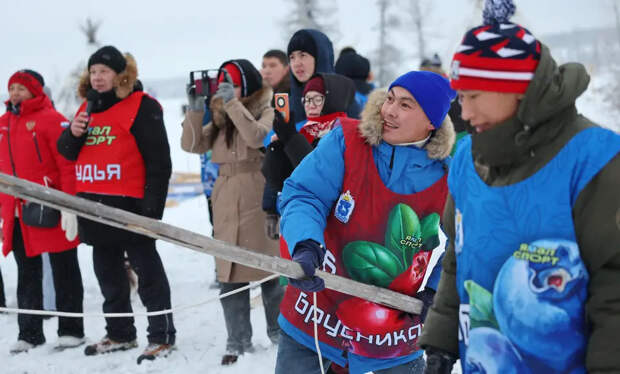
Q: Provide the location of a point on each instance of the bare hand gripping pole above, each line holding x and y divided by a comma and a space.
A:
185, 238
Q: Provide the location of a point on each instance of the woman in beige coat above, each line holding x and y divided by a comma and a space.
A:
241, 117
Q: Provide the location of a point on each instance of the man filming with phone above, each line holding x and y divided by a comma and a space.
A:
241, 117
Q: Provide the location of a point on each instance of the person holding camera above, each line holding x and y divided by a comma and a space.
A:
241, 117
119, 142
28, 133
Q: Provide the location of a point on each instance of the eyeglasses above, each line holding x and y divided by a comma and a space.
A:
315, 100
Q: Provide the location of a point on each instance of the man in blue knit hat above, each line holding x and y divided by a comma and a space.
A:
365, 205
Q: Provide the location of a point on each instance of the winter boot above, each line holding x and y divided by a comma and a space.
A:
229, 359
155, 350
107, 345
68, 341
21, 346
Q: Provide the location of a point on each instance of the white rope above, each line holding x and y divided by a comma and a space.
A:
316, 336
137, 314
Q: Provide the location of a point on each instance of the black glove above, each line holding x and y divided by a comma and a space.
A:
426, 296
284, 130
438, 361
271, 226
309, 254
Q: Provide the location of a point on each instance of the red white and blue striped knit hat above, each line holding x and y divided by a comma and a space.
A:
498, 56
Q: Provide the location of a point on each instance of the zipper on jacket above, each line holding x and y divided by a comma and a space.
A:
392, 157
36, 146
8, 139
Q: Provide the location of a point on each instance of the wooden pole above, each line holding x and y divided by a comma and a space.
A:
185, 238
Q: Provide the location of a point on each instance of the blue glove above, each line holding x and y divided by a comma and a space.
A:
226, 91
426, 296
309, 254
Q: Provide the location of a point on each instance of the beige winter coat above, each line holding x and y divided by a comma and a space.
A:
237, 215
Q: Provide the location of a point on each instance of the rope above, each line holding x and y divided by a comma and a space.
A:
137, 314
316, 336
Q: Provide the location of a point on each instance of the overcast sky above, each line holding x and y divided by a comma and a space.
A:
169, 38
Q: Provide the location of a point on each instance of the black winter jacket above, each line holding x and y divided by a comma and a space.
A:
152, 141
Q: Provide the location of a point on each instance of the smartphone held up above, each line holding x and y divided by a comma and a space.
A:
281, 104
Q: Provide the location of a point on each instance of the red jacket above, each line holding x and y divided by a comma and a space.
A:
28, 150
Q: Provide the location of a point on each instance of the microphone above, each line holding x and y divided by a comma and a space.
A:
91, 97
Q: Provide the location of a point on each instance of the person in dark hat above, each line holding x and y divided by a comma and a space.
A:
344, 210
326, 97
241, 117
28, 134
357, 67
119, 142
531, 275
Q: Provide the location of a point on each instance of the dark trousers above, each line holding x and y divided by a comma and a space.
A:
237, 314
153, 288
68, 284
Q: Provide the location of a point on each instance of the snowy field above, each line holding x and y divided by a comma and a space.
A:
201, 331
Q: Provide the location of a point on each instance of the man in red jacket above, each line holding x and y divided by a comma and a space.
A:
28, 133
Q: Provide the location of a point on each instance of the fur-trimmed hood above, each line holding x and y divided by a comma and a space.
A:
371, 128
123, 83
255, 104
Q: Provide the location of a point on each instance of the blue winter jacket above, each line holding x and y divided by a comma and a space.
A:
311, 191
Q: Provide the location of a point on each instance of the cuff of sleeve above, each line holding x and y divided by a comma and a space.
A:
440, 332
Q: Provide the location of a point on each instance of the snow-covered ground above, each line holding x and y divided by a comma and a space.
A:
201, 331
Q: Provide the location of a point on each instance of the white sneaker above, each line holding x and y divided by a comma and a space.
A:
68, 341
21, 346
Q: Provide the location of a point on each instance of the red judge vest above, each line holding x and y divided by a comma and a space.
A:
355, 237
110, 163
